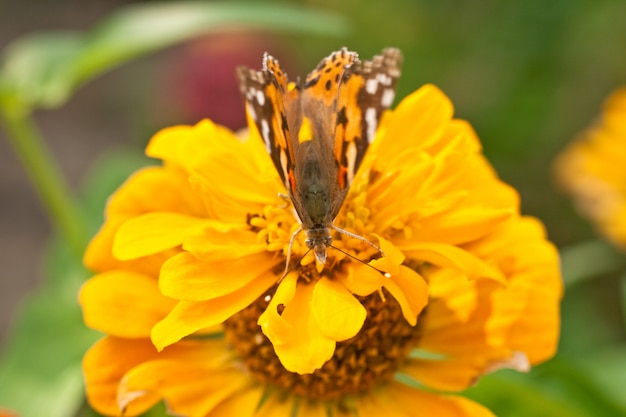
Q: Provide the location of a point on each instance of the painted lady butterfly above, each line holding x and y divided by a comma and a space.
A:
317, 132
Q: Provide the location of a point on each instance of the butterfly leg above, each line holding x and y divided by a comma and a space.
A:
286, 198
291, 240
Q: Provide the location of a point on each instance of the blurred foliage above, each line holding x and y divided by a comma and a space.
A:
44, 69
528, 76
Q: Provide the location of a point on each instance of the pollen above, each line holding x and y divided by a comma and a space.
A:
359, 364
274, 226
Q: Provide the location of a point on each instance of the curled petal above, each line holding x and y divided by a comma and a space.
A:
362, 280
393, 257
188, 389
274, 326
102, 375
411, 291
298, 341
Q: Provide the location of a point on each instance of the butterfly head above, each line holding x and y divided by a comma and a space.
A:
318, 239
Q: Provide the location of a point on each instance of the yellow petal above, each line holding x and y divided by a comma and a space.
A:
462, 224
242, 404
450, 374
233, 177
219, 244
392, 259
165, 144
186, 387
526, 311
452, 257
305, 347
453, 289
156, 189
185, 277
123, 303
154, 232
419, 120
188, 317
102, 374
362, 280
413, 402
339, 315
536, 332
411, 291
274, 326
186, 146
99, 254
375, 406
153, 189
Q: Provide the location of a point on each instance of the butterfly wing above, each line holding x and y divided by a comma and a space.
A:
273, 105
366, 90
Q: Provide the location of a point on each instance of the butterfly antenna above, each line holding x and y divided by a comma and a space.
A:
385, 274
361, 238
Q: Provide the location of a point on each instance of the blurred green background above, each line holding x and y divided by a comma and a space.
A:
529, 75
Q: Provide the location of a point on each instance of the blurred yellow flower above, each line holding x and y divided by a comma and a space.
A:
591, 170
189, 292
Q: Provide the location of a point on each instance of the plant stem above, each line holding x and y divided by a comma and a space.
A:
46, 177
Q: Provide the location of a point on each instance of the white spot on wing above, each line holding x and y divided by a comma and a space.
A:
371, 121
351, 158
371, 85
265, 132
260, 97
283, 164
387, 98
384, 79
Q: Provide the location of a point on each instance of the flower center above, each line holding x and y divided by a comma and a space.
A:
358, 364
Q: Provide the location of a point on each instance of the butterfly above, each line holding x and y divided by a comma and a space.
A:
317, 131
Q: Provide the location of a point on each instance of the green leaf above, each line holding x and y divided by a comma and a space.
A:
45, 346
44, 69
589, 260
607, 369
559, 388
623, 298
41, 363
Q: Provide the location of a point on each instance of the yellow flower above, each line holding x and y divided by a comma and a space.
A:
591, 170
195, 250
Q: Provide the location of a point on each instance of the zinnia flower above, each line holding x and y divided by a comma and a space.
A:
191, 295
591, 170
